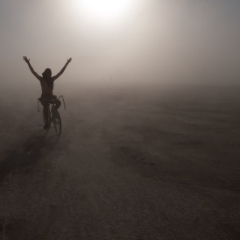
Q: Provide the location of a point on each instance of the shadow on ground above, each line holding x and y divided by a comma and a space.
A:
25, 159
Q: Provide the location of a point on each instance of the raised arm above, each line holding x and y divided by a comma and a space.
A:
62, 70
31, 68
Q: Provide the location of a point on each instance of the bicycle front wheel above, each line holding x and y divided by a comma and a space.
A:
57, 122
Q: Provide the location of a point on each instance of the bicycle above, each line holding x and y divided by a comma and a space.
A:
54, 116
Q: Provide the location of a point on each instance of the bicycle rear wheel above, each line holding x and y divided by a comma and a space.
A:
57, 121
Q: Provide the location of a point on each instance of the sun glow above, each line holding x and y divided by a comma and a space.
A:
104, 11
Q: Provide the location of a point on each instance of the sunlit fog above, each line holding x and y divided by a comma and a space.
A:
120, 42
104, 12
124, 123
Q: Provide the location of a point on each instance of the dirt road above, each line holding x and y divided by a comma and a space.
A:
128, 165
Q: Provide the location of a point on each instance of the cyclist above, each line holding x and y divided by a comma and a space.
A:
46, 82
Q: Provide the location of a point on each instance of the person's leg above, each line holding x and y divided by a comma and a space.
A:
45, 113
57, 103
45, 116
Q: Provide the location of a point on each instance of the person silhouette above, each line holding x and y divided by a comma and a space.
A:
47, 82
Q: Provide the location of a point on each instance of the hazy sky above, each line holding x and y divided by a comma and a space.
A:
153, 40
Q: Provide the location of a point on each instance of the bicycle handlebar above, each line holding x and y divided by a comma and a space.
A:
61, 96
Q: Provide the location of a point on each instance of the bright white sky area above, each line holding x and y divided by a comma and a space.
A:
121, 41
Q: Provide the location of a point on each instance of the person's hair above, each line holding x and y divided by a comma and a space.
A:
47, 76
47, 71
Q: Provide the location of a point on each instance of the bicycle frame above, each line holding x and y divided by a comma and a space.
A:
54, 117
53, 114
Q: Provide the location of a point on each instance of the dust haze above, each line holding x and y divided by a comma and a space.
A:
172, 42
150, 138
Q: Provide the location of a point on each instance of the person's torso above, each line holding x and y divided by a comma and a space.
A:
46, 87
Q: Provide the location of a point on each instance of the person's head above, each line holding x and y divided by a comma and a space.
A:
47, 73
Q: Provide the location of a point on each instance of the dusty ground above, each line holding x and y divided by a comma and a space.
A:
136, 165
